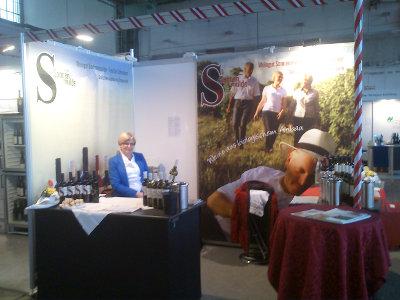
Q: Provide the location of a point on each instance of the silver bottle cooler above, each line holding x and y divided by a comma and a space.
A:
368, 194
183, 195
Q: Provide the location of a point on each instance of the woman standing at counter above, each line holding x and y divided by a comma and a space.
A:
126, 168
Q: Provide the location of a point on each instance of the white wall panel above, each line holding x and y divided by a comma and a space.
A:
93, 104
165, 106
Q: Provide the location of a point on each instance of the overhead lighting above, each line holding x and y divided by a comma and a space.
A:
9, 48
84, 37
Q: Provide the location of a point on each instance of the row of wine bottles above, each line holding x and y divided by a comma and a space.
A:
18, 137
154, 184
82, 184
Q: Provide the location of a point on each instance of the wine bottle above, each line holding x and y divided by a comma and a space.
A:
20, 135
144, 187
20, 104
99, 179
106, 182
22, 160
15, 136
20, 192
70, 186
78, 186
86, 187
60, 187
150, 190
15, 210
156, 191
95, 188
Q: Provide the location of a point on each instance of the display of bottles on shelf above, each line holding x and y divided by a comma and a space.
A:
336, 180
82, 185
19, 204
18, 136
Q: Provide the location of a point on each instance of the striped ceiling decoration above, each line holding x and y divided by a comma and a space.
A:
175, 16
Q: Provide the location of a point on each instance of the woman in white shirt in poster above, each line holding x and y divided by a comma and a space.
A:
272, 105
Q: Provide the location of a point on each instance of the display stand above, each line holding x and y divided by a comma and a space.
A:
146, 254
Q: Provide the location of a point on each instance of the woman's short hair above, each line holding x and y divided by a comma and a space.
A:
126, 136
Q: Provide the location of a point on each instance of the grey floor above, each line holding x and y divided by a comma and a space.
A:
221, 273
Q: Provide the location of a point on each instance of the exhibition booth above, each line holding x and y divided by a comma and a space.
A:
218, 170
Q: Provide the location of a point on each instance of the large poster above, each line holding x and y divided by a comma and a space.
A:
74, 98
250, 104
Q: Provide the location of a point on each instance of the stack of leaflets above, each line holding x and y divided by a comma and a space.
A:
335, 215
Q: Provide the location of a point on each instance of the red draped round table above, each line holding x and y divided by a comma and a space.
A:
312, 259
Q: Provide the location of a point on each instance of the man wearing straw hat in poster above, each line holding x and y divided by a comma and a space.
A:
299, 174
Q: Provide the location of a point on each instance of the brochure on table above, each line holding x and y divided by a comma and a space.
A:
335, 215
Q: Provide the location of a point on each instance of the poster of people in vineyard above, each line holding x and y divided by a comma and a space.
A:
249, 103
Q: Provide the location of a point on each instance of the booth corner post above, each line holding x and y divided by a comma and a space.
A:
31, 223
358, 93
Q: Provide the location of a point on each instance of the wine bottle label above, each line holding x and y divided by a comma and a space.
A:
71, 190
61, 192
20, 140
78, 189
144, 188
15, 140
64, 191
88, 189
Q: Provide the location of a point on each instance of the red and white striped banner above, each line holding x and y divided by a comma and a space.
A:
92, 28
296, 3
319, 2
114, 25
159, 19
32, 36
52, 34
177, 16
270, 4
243, 7
70, 31
199, 14
203, 13
135, 22
358, 93
220, 10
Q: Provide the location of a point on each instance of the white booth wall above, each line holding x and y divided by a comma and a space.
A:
165, 110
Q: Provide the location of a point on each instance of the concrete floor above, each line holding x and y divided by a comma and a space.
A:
221, 273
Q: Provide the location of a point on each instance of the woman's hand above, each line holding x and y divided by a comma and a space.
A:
256, 116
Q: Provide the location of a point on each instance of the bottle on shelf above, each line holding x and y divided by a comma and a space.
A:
22, 159
15, 211
15, 136
150, 185
20, 103
20, 187
20, 135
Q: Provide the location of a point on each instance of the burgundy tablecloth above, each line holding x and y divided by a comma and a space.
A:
312, 259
